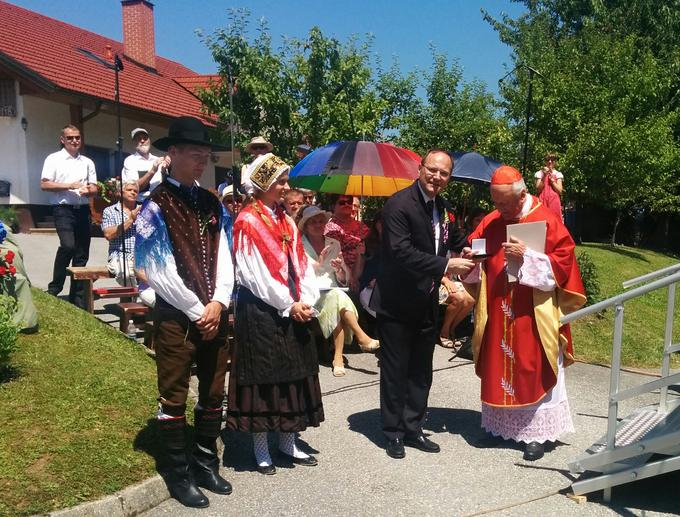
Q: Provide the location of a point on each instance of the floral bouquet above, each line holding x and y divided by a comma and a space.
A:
109, 190
7, 269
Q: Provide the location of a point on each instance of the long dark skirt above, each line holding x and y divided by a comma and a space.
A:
288, 397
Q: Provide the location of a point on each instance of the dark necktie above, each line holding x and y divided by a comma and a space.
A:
430, 212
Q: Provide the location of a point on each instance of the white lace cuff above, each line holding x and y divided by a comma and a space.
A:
536, 271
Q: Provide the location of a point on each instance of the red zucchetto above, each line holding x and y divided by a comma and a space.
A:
505, 175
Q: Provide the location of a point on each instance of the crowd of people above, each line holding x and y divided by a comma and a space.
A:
294, 270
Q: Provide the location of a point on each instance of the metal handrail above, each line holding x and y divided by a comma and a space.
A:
651, 276
666, 277
619, 299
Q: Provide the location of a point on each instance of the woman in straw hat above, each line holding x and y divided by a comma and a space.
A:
274, 384
338, 317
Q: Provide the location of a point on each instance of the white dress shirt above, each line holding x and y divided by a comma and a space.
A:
435, 218
61, 167
135, 166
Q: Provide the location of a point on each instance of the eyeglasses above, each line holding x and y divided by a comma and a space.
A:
295, 203
433, 170
75, 138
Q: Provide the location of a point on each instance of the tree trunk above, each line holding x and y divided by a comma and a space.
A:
616, 225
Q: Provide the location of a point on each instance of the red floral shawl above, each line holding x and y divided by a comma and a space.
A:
274, 239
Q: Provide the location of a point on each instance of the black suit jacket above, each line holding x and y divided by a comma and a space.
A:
410, 270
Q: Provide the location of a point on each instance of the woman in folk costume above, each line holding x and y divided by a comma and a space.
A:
274, 384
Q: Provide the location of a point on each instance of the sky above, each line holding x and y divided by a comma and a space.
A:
402, 29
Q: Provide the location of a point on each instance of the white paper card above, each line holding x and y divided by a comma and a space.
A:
532, 235
479, 246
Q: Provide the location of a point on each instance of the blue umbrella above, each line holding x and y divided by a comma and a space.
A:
473, 167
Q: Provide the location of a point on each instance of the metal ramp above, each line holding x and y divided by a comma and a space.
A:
645, 443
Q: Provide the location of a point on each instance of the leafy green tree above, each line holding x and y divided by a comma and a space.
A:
317, 88
608, 104
456, 116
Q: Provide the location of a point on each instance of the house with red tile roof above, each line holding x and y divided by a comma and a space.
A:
53, 74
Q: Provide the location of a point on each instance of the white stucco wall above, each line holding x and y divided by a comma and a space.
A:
13, 166
23, 153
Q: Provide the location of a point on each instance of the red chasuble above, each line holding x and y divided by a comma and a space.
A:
517, 330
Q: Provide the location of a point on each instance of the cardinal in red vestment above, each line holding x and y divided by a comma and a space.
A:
519, 346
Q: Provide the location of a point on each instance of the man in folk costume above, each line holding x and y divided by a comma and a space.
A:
182, 245
520, 349
274, 383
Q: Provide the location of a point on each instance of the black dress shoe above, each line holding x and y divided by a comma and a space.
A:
309, 461
395, 448
267, 470
534, 451
422, 443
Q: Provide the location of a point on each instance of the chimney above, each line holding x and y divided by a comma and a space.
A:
138, 32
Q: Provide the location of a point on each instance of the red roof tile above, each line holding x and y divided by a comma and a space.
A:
50, 48
194, 83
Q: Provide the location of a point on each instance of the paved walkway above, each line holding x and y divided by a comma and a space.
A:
356, 477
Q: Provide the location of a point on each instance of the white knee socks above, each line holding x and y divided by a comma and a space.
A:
287, 446
261, 449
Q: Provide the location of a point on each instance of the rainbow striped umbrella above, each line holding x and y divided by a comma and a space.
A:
356, 168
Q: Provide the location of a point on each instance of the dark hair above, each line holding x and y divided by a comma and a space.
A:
373, 239
334, 198
71, 127
550, 156
436, 150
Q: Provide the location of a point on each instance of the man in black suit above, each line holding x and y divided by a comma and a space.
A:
417, 234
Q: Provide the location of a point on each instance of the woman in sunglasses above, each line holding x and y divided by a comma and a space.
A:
351, 233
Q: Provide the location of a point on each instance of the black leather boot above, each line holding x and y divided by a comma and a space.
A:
177, 475
206, 464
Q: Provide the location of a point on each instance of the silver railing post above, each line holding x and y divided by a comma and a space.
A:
668, 343
614, 381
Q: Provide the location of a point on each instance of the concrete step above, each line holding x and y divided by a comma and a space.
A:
45, 224
46, 231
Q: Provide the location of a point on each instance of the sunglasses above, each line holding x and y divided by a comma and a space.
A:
345, 202
258, 147
75, 138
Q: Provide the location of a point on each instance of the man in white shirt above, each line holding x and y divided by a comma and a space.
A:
142, 166
71, 179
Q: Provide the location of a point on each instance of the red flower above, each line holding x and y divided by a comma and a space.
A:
3, 270
9, 256
12, 270
452, 217
213, 221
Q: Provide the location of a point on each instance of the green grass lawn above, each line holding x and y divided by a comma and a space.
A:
73, 424
644, 317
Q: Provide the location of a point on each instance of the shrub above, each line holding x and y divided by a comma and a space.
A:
8, 329
9, 216
589, 277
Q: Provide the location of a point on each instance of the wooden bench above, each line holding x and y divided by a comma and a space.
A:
124, 293
88, 275
128, 310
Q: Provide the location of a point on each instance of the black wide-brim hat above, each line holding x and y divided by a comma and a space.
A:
187, 130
